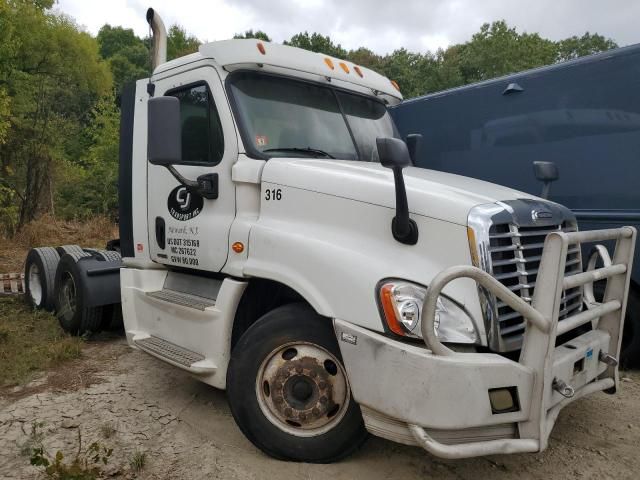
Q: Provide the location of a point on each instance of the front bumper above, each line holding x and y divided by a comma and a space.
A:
440, 399
411, 396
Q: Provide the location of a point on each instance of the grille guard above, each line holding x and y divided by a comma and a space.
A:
541, 331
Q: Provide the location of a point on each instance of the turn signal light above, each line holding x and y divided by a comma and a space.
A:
238, 247
473, 247
386, 299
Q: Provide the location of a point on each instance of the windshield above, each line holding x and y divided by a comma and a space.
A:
284, 117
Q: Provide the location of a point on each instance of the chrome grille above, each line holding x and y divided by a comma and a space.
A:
514, 255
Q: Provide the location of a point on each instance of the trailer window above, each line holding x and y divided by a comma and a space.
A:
202, 138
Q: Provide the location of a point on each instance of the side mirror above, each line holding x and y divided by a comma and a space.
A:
394, 154
546, 172
413, 141
164, 137
164, 145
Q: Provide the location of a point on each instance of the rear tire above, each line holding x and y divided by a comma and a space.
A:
288, 390
74, 317
39, 277
75, 250
109, 256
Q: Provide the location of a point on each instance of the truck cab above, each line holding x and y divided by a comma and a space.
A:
278, 243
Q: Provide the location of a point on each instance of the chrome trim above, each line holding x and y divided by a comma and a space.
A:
514, 268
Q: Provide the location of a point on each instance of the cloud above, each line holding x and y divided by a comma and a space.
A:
380, 25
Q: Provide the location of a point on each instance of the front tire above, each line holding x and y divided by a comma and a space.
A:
288, 390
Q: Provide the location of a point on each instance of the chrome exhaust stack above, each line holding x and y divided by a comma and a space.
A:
159, 52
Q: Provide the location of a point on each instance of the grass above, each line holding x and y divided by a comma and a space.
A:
49, 231
30, 341
108, 429
138, 460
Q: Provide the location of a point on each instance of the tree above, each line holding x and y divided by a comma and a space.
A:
127, 54
258, 34
90, 184
317, 43
365, 58
412, 71
499, 50
179, 43
53, 77
587, 44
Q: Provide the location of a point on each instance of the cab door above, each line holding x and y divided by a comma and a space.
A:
185, 229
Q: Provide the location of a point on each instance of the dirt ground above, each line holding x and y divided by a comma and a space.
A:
187, 432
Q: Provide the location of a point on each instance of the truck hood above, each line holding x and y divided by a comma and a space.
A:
434, 194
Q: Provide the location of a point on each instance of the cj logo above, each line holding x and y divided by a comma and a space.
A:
184, 205
183, 197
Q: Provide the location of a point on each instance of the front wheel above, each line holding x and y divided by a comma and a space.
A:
288, 390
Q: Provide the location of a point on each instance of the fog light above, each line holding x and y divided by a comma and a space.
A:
504, 400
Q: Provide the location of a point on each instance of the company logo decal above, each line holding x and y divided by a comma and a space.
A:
541, 214
184, 205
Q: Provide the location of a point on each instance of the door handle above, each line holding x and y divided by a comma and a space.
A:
161, 237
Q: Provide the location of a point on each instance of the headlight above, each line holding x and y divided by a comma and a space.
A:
402, 304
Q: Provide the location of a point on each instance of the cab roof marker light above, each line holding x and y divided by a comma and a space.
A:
358, 71
395, 85
261, 48
329, 63
344, 67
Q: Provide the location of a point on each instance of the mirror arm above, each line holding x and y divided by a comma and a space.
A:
190, 184
205, 186
546, 188
404, 229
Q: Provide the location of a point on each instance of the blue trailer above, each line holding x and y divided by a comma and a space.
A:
583, 115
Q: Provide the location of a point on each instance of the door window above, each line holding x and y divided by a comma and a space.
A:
202, 138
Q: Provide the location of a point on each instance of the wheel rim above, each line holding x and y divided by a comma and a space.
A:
67, 296
302, 389
35, 284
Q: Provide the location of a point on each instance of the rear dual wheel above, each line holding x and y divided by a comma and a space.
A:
288, 390
74, 316
39, 274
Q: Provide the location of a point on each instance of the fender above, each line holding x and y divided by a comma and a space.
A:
100, 281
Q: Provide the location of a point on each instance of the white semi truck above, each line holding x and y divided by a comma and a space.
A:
277, 242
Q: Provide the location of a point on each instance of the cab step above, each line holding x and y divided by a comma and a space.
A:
182, 299
174, 354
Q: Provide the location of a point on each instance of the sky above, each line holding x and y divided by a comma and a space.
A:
380, 25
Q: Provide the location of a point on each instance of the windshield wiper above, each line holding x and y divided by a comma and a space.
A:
299, 149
